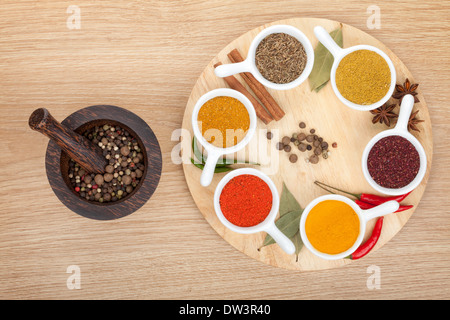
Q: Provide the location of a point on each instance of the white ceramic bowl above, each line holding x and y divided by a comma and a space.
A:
268, 225
214, 153
248, 65
363, 215
400, 129
339, 53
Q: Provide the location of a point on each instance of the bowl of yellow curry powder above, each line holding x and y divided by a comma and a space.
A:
363, 77
223, 121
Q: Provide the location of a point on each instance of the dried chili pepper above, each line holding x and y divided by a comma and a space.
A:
377, 200
365, 197
370, 200
365, 206
403, 208
365, 248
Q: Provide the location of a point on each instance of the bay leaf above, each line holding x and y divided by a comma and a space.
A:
320, 87
288, 224
289, 221
297, 240
323, 61
288, 202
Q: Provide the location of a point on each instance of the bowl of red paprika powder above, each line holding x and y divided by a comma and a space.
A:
247, 201
394, 161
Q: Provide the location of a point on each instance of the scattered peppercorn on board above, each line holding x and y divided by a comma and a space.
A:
323, 112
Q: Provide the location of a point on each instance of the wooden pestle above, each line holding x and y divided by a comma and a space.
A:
80, 149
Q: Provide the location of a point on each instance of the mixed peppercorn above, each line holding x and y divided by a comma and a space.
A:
304, 142
122, 174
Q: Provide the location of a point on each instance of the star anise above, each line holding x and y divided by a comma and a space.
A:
384, 114
413, 121
407, 88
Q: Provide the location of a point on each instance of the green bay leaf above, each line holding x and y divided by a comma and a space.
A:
320, 87
289, 220
297, 240
288, 203
323, 61
288, 224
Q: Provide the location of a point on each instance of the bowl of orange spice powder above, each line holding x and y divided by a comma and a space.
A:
332, 226
247, 201
223, 121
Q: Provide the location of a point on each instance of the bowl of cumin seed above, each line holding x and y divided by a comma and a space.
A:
280, 57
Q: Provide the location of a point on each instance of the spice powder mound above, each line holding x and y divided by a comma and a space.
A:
332, 226
363, 77
224, 121
246, 200
393, 162
280, 58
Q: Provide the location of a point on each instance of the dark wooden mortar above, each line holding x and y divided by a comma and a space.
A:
57, 163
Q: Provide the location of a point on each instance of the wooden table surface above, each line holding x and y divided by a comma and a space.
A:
146, 56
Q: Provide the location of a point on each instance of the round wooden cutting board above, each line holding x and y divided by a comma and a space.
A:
332, 120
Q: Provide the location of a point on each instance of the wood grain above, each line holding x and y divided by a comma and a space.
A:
333, 121
146, 56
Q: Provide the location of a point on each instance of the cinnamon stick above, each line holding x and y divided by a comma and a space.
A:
236, 85
260, 91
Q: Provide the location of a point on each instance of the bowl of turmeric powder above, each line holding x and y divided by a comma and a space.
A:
363, 77
332, 226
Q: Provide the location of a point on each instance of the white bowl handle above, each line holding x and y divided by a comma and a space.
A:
226, 70
208, 169
283, 241
381, 210
325, 38
405, 111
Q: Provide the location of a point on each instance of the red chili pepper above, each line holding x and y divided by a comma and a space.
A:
376, 200
368, 198
364, 205
403, 208
370, 243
